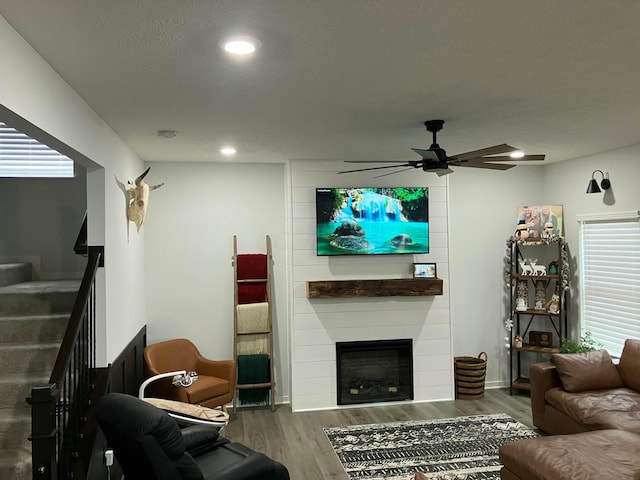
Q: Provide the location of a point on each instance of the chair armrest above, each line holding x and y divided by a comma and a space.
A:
199, 439
543, 377
225, 369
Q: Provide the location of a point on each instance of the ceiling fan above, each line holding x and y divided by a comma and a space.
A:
435, 159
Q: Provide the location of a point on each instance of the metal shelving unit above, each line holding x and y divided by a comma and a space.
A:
524, 318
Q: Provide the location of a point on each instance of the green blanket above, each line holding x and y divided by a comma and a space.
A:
253, 369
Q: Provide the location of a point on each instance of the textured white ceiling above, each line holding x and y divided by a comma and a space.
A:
348, 79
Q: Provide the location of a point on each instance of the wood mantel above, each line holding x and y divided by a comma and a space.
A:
394, 287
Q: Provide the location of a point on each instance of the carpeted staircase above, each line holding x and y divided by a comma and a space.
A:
33, 316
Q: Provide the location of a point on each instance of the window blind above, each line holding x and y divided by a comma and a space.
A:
22, 156
610, 279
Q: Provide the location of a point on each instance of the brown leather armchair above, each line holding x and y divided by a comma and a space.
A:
216, 383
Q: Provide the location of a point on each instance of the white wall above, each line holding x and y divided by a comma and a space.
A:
317, 324
31, 89
189, 233
482, 215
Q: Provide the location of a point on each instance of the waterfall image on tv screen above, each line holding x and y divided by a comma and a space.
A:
372, 221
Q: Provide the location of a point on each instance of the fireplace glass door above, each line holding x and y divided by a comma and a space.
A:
374, 371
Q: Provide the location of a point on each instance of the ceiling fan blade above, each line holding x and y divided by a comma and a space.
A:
427, 154
491, 166
495, 150
509, 158
378, 168
541, 156
393, 173
443, 172
376, 161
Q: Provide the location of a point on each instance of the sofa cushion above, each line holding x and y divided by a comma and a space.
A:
617, 408
603, 455
629, 366
586, 371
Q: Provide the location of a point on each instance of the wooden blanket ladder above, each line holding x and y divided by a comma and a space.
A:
252, 326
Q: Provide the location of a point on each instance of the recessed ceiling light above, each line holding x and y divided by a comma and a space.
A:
241, 45
228, 151
517, 154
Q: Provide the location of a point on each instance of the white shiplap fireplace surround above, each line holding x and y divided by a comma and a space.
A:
317, 324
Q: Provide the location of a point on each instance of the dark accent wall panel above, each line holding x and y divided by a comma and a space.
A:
127, 370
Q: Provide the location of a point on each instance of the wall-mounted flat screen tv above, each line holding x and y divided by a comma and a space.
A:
372, 221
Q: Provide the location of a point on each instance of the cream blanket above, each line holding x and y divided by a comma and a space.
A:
253, 317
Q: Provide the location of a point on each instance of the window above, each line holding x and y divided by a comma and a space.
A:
610, 278
22, 156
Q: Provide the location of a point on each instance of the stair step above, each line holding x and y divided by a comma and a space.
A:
33, 328
11, 273
28, 359
33, 318
38, 297
15, 463
14, 389
15, 428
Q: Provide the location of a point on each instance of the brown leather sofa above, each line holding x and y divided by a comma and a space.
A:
591, 407
582, 392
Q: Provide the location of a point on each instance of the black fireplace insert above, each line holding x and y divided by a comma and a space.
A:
374, 371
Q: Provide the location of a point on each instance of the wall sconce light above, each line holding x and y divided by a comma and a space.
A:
593, 184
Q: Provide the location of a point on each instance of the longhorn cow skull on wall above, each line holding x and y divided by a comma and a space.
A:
138, 196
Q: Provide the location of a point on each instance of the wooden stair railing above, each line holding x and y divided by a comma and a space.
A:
59, 426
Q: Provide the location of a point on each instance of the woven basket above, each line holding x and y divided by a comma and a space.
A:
470, 373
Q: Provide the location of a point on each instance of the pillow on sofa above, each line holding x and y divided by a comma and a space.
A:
586, 371
629, 366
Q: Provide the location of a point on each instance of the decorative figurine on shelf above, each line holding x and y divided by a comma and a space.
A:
517, 341
553, 305
548, 231
522, 231
524, 268
553, 268
522, 295
541, 295
537, 269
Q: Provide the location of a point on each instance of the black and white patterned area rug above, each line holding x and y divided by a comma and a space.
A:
462, 448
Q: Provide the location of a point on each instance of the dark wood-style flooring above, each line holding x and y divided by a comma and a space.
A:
298, 441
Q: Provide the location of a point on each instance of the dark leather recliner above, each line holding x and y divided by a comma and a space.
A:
149, 445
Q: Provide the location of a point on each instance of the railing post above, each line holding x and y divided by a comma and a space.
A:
43, 401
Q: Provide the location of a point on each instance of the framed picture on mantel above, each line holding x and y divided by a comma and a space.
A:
424, 270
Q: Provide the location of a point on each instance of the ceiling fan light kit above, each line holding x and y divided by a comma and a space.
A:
240, 45
435, 158
228, 150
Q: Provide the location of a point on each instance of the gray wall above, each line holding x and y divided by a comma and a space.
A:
39, 221
32, 93
566, 183
482, 215
188, 237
